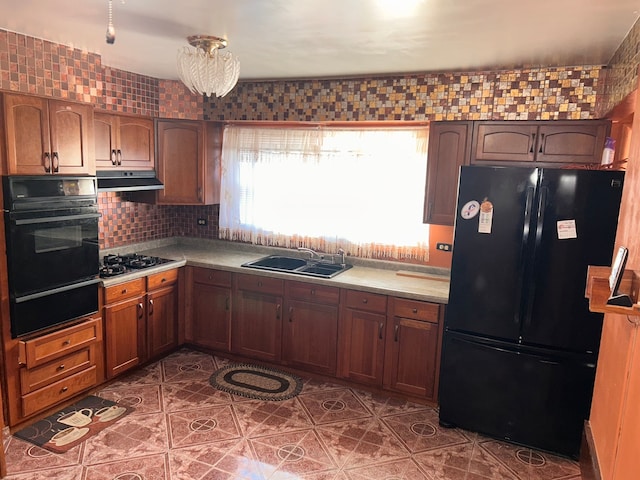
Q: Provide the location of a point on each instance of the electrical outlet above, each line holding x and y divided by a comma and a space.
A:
202, 221
446, 247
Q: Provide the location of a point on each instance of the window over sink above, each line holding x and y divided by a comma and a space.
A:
326, 187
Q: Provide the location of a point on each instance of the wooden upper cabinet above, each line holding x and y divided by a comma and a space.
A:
449, 144
543, 143
123, 142
189, 162
48, 136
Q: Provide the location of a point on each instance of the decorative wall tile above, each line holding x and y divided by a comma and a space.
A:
127, 92
521, 94
622, 71
176, 101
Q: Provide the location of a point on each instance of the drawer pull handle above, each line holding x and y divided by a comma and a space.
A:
365, 300
163, 280
124, 290
290, 314
151, 306
380, 331
313, 292
260, 284
210, 277
66, 342
61, 367
140, 310
415, 310
395, 333
227, 303
64, 389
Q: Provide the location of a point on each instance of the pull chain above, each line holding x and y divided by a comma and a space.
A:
111, 32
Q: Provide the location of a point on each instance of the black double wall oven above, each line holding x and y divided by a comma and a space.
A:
51, 225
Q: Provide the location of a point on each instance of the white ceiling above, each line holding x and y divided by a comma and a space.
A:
324, 38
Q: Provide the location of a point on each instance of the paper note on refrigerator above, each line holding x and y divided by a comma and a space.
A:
566, 229
486, 217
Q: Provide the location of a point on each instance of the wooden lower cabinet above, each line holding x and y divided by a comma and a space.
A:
310, 327
413, 348
55, 367
209, 317
141, 320
162, 313
362, 337
257, 317
124, 332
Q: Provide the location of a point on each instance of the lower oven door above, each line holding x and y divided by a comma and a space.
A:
46, 250
35, 312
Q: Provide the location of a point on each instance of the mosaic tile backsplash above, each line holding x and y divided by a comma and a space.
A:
36, 66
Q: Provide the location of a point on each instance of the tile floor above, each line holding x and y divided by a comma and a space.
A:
183, 429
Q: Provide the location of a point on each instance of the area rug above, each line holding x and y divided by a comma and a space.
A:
67, 428
253, 381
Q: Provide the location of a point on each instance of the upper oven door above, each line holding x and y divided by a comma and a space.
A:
49, 249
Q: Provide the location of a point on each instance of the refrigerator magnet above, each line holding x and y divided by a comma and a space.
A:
470, 210
566, 229
486, 217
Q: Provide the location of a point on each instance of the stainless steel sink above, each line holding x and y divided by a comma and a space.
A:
298, 266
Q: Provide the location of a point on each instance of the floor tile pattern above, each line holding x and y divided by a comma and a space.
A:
184, 429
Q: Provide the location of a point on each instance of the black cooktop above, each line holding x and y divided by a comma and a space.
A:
113, 265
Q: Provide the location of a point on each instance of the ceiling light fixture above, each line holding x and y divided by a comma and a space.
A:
111, 32
204, 69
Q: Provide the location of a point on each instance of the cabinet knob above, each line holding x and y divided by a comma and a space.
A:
163, 280
61, 367
259, 284
415, 310
124, 290
313, 292
66, 342
64, 389
365, 300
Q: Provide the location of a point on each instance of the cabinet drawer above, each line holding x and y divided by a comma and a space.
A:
370, 302
32, 379
427, 312
212, 277
58, 344
125, 290
58, 391
162, 279
313, 293
255, 283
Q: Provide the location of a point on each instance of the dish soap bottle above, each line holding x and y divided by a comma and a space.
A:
609, 151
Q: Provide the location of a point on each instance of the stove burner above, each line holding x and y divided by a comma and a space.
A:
120, 264
112, 270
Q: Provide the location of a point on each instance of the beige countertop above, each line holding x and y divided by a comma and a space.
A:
387, 278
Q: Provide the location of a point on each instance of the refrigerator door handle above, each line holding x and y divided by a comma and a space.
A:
523, 247
542, 204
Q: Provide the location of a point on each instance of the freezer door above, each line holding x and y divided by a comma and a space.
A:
524, 395
577, 218
487, 270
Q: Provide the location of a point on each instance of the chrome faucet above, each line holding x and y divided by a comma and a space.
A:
313, 253
342, 254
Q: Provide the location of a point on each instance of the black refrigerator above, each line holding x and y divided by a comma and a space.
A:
520, 345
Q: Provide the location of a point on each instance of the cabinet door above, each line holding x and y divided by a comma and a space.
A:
180, 162
124, 331
449, 144
28, 140
162, 321
309, 336
572, 142
136, 149
257, 325
362, 346
71, 138
211, 324
411, 355
504, 141
105, 128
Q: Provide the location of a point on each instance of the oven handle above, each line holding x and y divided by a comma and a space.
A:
62, 218
46, 293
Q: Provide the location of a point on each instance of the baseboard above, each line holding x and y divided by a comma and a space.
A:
589, 467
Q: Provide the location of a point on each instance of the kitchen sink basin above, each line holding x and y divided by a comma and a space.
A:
277, 262
298, 266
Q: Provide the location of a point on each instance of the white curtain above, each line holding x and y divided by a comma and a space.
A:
326, 188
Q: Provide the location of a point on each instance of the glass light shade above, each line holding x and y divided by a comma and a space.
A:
208, 72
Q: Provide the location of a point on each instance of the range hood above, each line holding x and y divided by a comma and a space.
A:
127, 180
